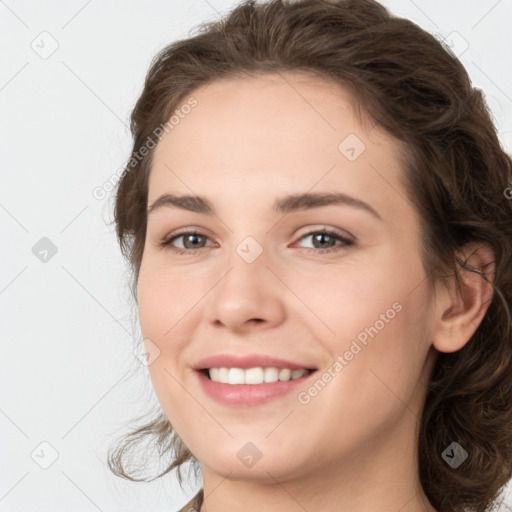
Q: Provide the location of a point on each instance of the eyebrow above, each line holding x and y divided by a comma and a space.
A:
284, 205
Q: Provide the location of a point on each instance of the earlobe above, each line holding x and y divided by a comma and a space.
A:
459, 311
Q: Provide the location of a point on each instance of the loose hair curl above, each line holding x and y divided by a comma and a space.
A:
456, 173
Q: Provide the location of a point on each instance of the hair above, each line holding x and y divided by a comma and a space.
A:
456, 172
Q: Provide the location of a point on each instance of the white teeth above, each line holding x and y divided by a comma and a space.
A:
285, 374
236, 376
271, 374
252, 376
256, 375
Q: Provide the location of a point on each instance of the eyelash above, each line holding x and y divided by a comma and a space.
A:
346, 242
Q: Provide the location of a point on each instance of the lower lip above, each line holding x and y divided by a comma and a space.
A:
248, 394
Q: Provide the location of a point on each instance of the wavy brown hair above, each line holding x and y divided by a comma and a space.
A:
456, 173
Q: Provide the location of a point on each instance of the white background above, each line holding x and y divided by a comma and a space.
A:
68, 374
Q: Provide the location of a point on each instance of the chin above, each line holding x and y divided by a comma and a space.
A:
245, 461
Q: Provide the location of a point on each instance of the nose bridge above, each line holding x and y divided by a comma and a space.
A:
249, 235
250, 249
247, 291
247, 268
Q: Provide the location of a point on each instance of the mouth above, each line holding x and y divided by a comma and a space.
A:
250, 380
255, 375
252, 386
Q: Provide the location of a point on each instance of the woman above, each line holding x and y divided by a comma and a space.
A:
315, 216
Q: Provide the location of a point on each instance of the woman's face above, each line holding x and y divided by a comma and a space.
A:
258, 284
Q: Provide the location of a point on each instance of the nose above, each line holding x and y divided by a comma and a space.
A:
248, 296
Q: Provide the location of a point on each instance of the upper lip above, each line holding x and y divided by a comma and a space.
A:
247, 361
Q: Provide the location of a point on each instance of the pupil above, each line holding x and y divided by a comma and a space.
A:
193, 237
324, 236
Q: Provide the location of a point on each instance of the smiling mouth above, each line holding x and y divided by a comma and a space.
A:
255, 375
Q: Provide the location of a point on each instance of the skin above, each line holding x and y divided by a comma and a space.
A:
353, 445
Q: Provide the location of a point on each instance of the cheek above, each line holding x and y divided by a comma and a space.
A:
169, 311
380, 376
374, 317
393, 349
344, 300
167, 303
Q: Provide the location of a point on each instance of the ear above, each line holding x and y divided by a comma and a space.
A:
458, 313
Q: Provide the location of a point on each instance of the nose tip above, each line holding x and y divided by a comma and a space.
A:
246, 297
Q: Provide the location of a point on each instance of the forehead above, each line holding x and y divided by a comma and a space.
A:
289, 131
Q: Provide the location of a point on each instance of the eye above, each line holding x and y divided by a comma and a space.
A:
328, 237
196, 241
189, 238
